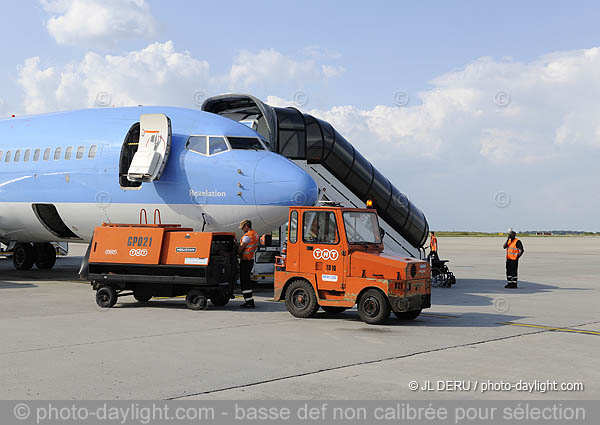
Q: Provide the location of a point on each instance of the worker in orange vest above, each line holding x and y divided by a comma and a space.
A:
248, 246
514, 251
433, 246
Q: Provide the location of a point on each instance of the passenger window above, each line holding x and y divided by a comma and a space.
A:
319, 227
80, 151
251, 143
68, 152
47, 154
17, 155
57, 153
8, 155
196, 144
92, 152
36, 155
293, 227
27, 155
216, 145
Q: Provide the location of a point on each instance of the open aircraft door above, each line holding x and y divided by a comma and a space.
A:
152, 153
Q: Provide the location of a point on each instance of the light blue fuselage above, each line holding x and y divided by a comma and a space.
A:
214, 192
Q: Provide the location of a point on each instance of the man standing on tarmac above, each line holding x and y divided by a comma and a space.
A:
433, 246
248, 246
514, 251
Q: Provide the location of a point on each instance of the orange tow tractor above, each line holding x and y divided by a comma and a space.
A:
161, 260
335, 260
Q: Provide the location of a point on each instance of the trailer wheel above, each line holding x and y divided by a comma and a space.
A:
333, 309
142, 298
373, 307
407, 315
106, 297
196, 300
220, 300
300, 299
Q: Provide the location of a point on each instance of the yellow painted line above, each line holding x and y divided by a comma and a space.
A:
550, 328
439, 316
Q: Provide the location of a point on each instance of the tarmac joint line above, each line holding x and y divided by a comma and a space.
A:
552, 328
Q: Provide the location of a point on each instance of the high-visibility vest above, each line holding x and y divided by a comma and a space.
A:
433, 244
512, 252
251, 247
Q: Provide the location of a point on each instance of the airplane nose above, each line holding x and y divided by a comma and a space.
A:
278, 182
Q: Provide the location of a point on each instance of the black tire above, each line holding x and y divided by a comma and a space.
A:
45, 257
407, 315
23, 256
452, 280
301, 300
373, 307
196, 300
220, 300
333, 309
142, 298
106, 297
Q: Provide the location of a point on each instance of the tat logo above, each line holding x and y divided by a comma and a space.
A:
325, 254
138, 252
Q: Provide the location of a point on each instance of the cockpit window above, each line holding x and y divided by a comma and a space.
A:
216, 145
197, 144
245, 143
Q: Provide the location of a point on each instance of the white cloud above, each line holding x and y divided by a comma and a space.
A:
331, 71
250, 68
98, 23
501, 110
156, 74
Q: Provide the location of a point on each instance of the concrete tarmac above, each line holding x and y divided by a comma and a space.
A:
57, 344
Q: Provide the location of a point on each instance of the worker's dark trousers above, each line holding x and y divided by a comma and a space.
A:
245, 271
511, 271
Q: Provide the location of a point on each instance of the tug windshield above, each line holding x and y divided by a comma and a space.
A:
361, 227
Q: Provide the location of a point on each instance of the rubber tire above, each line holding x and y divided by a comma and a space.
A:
106, 297
311, 305
23, 256
407, 315
382, 313
196, 300
142, 298
220, 300
45, 257
332, 309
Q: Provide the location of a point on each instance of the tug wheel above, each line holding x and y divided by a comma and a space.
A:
196, 300
373, 307
300, 299
106, 297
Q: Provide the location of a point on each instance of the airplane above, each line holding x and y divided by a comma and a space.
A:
62, 174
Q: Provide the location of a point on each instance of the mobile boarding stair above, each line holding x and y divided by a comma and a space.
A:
342, 174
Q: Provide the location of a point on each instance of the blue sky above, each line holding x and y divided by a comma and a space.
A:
496, 122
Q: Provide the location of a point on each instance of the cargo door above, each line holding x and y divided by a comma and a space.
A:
153, 149
322, 251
